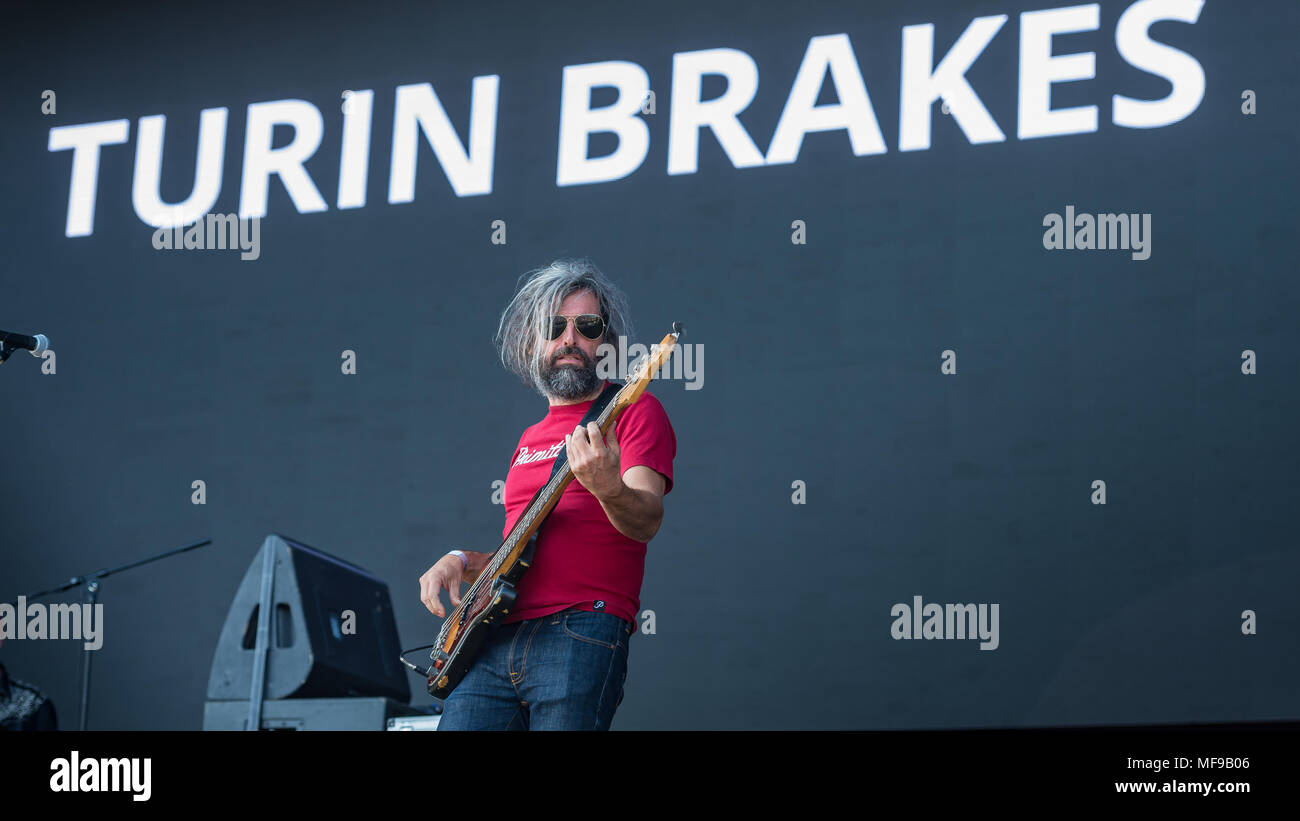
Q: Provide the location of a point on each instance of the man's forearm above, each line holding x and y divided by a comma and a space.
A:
636, 514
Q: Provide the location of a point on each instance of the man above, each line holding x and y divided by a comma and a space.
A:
559, 660
23, 707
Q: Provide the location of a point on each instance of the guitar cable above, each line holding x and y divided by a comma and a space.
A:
424, 673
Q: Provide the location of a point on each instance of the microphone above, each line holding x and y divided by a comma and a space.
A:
37, 345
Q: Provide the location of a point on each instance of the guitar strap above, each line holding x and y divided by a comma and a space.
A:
593, 413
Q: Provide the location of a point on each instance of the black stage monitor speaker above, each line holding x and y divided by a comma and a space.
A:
332, 632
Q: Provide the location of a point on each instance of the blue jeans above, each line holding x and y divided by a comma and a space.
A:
564, 671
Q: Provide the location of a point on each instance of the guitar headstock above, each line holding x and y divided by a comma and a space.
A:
648, 366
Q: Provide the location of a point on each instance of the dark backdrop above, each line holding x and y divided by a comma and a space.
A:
822, 362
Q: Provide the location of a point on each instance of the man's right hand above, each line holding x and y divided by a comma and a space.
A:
447, 573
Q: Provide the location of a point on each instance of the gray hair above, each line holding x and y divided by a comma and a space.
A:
522, 330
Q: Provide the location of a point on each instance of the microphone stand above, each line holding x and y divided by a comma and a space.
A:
91, 581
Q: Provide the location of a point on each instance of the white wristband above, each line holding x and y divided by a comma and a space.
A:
460, 554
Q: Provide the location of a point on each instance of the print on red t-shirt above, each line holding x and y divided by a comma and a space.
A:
581, 557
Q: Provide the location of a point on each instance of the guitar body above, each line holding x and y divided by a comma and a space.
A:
491, 597
489, 606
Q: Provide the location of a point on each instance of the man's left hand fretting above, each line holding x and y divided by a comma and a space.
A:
595, 460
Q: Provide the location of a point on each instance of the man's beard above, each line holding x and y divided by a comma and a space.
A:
569, 381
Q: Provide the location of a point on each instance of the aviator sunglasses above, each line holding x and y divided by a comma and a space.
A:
589, 325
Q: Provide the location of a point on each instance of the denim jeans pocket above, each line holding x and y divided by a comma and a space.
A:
602, 629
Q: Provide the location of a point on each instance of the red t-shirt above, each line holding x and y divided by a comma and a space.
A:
582, 560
